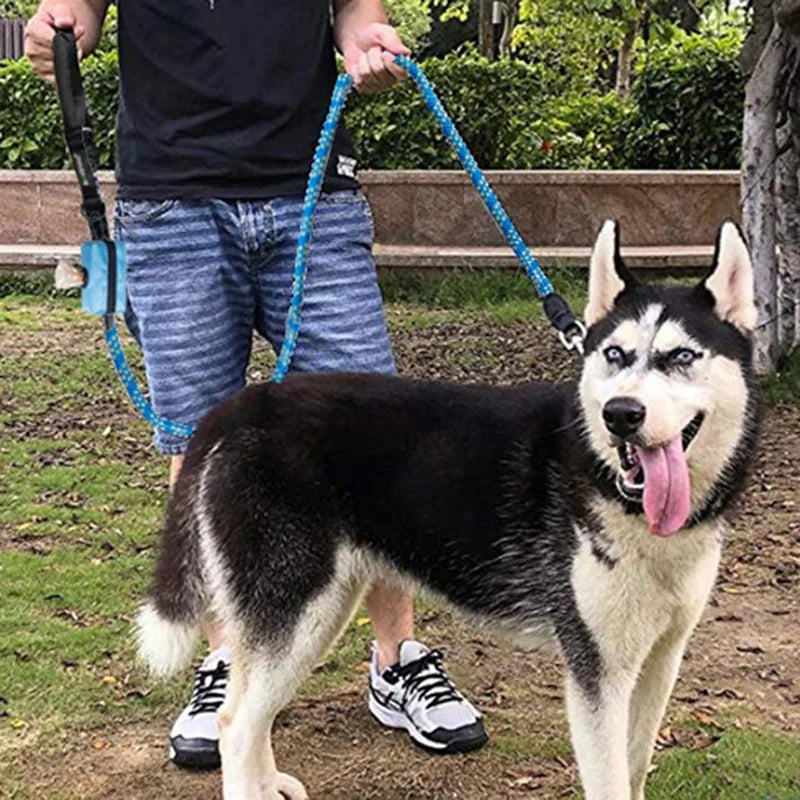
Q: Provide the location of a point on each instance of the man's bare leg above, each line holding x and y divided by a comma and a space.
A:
391, 609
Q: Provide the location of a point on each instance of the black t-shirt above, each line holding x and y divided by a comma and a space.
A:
225, 98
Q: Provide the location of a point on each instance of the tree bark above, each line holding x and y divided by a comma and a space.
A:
625, 56
485, 33
758, 187
787, 197
787, 13
510, 20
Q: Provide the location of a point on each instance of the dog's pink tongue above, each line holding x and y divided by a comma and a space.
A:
667, 501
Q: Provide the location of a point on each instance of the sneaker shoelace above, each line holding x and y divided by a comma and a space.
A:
209, 689
426, 680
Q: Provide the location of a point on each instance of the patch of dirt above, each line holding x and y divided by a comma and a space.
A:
743, 663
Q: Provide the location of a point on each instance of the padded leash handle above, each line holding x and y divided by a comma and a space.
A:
69, 85
78, 130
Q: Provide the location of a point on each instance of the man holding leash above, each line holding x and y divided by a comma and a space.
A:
221, 104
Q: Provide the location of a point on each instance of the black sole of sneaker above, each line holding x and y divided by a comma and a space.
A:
466, 744
454, 748
201, 759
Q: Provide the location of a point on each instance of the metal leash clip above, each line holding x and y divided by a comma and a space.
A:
573, 342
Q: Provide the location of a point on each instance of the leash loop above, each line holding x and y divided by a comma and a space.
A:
80, 141
571, 331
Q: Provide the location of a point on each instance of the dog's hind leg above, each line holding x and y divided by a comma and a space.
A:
265, 676
248, 764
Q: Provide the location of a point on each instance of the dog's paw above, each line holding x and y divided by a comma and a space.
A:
290, 788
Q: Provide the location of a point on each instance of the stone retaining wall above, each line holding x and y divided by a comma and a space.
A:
440, 208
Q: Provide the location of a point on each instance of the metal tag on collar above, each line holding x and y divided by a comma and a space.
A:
573, 338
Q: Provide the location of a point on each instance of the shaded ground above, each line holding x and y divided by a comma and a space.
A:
80, 486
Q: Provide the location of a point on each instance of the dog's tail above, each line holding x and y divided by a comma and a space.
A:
168, 625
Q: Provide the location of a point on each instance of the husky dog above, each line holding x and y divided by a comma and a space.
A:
588, 515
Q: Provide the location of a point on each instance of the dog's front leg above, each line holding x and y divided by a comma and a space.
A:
598, 722
660, 668
648, 703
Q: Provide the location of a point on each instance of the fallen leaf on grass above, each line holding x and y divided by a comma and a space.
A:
707, 719
702, 742
729, 694
137, 694
67, 613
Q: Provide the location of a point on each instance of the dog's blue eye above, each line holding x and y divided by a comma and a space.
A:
683, 357
614, 355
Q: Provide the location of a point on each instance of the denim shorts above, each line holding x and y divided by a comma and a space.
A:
202, 275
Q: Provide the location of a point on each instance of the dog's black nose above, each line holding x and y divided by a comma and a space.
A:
623, 415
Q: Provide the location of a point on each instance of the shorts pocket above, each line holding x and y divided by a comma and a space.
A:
343, 197
138, 212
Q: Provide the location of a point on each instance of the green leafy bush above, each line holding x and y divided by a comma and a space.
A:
581, 131
689, 96
31, 135
490, 102
685, 113
412, 19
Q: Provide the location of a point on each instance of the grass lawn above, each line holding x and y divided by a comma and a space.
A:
81, 500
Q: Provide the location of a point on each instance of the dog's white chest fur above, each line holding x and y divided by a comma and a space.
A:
655, 585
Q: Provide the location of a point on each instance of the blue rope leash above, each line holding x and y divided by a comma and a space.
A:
132, 388
570, 330
540, 281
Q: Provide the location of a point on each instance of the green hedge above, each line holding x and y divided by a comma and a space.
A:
491, 103
685, 113
689, 97
31, 134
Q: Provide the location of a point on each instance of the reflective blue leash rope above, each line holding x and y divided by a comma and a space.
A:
570, 330
79, 138
132, 388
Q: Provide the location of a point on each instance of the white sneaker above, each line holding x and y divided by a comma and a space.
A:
417, 695
194, 738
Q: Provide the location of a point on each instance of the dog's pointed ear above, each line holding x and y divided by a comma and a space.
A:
608, 275
730, 281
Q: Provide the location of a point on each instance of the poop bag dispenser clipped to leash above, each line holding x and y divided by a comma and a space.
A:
102, 273
103, 261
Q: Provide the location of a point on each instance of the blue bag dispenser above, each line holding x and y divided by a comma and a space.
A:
105, 265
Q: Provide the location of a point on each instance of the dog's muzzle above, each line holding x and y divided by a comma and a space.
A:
630, 482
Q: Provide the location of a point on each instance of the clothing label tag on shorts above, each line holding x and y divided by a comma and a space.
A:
346, 168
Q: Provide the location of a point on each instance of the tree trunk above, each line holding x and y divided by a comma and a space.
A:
787, 12
625, 57
485, 32
787, 199
758, 190
510, 19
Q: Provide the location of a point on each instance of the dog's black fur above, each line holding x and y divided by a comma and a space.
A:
504, 500
380, 461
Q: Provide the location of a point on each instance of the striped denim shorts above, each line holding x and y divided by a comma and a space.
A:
202, 275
